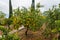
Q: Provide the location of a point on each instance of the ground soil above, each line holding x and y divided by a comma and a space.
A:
37, 35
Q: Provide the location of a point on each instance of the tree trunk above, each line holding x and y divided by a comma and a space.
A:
26, 33
10, 9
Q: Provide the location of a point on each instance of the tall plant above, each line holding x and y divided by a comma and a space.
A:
10, 9
33, 5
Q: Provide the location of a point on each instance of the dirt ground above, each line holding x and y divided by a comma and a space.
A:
37, 35
33, 35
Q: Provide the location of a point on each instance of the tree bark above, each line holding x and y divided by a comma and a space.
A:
26, 33
10, 9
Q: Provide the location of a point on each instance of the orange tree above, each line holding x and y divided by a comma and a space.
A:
31, 20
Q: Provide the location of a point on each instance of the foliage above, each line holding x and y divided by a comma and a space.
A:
27, 18
2, 15
7, 36
52, 17
32, 19
3, 29
10, 37
13, 37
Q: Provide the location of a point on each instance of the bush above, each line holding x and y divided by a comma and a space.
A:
6, 36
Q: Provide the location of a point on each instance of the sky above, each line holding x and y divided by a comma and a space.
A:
4, 4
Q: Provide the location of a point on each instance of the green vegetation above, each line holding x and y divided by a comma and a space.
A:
32, 19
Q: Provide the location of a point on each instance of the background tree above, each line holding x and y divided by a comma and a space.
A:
10, 9
33, 5
2, 17
10, 14
52, 16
